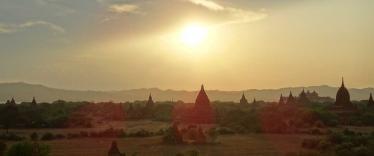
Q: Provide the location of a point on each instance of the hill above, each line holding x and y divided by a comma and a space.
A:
24, 92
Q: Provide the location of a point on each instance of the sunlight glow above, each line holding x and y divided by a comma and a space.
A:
193, 35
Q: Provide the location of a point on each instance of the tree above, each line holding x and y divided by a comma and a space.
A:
28, 149
34, 136
9, 116
2, 148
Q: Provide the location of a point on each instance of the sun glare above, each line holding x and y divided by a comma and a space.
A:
193, 35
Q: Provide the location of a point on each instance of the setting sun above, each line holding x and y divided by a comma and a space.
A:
193, 35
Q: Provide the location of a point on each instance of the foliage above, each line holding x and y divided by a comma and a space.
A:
34, 136
27, 149
47, 136
2, 148
11, 137
172, 136
346, 143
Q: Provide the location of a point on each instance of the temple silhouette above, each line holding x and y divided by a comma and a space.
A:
201, 112
343, 106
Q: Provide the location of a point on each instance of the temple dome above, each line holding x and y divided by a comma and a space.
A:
342, 96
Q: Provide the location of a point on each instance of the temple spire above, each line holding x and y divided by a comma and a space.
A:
114, 151
150, 102
291, 99
243, 100
202, 98
343, 82
371, 101
281, 100
13, 102
33, 102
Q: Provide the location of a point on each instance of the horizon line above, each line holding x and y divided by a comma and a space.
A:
163, 89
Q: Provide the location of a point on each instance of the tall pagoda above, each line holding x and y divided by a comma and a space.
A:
281, 100
371, 101
150, 102
203, 111
243, 100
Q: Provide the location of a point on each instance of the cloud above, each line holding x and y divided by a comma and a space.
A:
235, 15
11, 28
208, 4
123, 8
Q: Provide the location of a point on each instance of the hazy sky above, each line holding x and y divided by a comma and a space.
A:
124, 44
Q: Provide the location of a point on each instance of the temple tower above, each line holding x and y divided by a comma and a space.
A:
203, 112
114, 151
290, 99
281, 100
342, 96
243, 100
33, 102
303, 99
371, 101
150, 102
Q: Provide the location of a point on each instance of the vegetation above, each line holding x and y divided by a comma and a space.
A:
2, 148
345, 143
28, 149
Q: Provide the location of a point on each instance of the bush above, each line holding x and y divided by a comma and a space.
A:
172, 136
193, 153
311, 143
11, 137
34, 136
336, 138
83, 134
225, 130
47, 136
141, 133
26, 149
2, 148
60, 136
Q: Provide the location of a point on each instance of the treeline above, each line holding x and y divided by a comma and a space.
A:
273, 117
344, 143
63, 114
230, 117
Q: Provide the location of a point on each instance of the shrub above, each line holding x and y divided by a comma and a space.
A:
34, 136
311, 143
172, 136
11, 137
72, 136
336, 138
193, 153
316, 131
83, 134
225, 130
60, 136
47, 136
26, 149
2, 148
141, 133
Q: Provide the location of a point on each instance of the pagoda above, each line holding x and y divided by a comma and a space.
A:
243, 100
281, 100
371, 101
291, 99
150, 102
303, 99
203, 111
343, 106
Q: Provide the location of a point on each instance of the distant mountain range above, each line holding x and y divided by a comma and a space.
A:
24, 92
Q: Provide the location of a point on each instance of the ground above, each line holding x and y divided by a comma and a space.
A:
238, 145
253, 144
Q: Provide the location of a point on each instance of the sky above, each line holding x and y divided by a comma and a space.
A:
246, 44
